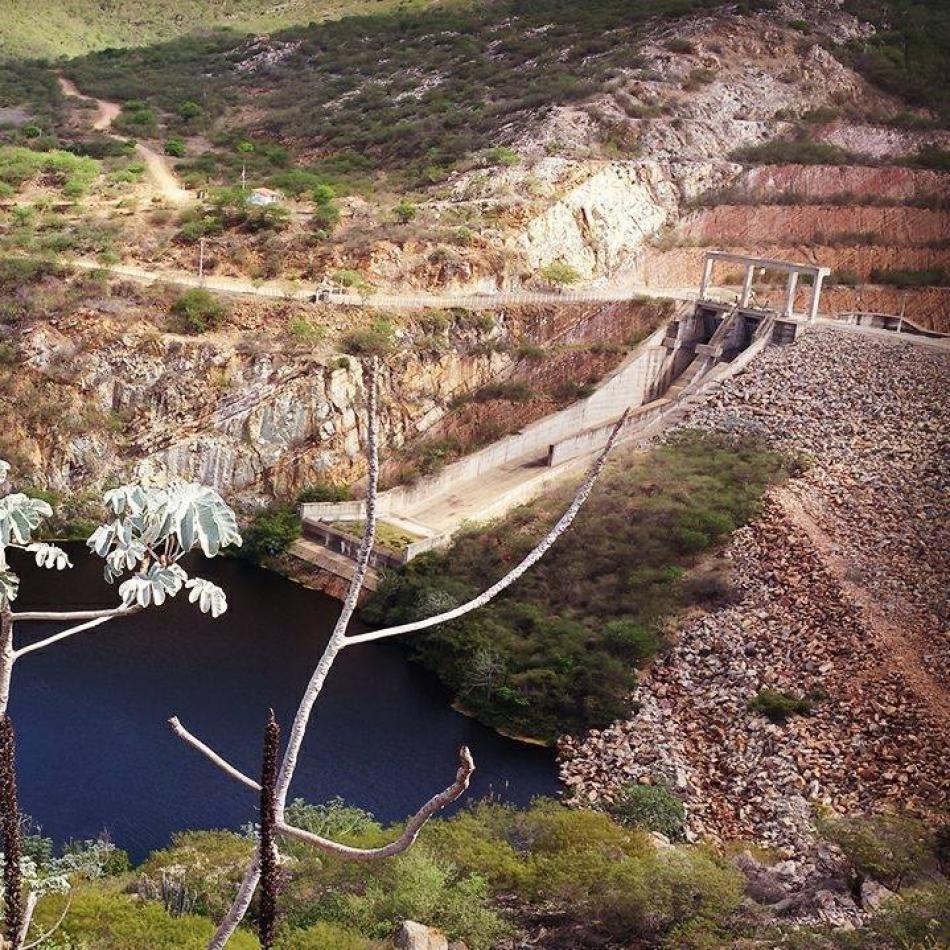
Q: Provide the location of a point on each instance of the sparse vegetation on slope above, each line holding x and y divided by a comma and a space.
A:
561, 651
421, 92
909, 55
72, 27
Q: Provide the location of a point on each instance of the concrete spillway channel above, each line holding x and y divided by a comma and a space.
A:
702, 343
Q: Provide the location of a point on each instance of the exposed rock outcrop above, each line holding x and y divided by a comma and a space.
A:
842, 586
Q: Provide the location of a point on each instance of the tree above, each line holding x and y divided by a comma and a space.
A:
340, 640
148, 533
560, 274
405, 211
198, 310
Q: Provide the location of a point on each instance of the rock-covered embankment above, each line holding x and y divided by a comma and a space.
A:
841, 588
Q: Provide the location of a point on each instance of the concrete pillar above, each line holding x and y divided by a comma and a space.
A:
792, 286
815, 295
707, 276
747, 285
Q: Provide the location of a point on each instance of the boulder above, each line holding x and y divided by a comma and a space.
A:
416, 936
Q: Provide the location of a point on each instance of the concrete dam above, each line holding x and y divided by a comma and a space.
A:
703, 343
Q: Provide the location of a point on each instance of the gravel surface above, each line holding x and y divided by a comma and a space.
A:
842, 583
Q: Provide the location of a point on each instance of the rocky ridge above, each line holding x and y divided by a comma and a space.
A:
841, 585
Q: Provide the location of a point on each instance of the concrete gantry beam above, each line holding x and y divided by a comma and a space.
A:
815, 272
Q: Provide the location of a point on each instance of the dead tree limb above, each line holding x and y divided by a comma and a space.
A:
339, 641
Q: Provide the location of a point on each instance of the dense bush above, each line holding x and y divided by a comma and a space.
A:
272, 531
480, 875
378, 339
107, 920
795, 151
652, 807
903, 277
73, 174
778, 706
895, 849
198, 310
909, 54
560, 274
560, 651
323, 491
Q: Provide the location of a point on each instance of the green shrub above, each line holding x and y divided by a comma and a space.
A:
670, 895
509, 391
679, 45
531, 352
323, 194
333, 819
378, 339
821, 115
931, 156
405, 211
272, 531
845, 277
632, 641
110, 921
198, 310
503, 155
189, 109
905, 277
352, 280
323, 491
322, 936
894, 849
919, 919
778, 706
325, 218
652, 807
417, 886
560, 273
786, 152
303, 331
174, 147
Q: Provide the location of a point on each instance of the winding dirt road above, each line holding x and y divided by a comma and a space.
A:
157, 165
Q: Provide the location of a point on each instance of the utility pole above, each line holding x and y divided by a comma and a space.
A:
243, 176
201, 259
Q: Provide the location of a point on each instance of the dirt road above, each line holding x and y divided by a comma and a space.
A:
157, 165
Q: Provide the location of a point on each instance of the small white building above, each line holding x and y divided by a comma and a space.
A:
264, 196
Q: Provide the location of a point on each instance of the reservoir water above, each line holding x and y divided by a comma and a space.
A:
95, 752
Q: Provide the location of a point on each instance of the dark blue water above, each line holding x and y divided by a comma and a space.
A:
95, 753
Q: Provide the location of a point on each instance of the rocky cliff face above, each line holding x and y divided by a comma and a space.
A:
101, 396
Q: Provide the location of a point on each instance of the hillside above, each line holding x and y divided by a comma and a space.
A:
53, 28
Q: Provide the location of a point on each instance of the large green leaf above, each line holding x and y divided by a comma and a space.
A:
20, 515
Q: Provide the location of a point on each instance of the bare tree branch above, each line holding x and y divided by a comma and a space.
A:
238, 908
71, 631
413, 826
338, 637
210, 754
535, 555
73, 614
338, 641
49, 933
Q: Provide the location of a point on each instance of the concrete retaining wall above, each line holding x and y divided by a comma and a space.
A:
630, 384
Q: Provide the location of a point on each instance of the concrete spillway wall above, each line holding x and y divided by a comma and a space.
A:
631, 384
680, 359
